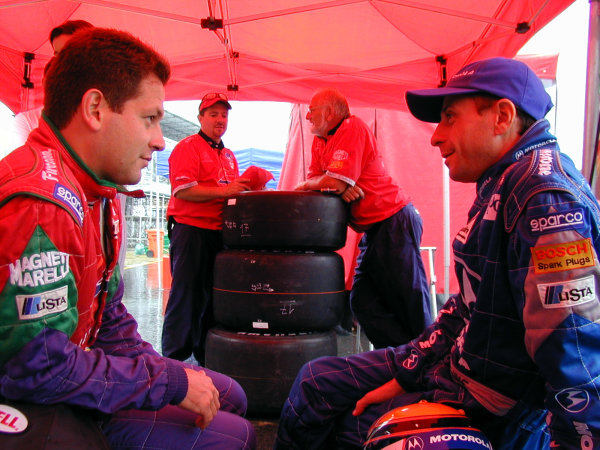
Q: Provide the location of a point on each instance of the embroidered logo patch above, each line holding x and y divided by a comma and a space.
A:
492, 210
338, 159
464, 232
12, 421
411, 361
563, 256
39, 269
573, 400
545, 164
50, 171
340, 155
42, 304
570, 293
550, 223
68, 197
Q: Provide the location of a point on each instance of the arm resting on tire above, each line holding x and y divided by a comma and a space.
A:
204, 193
325, 182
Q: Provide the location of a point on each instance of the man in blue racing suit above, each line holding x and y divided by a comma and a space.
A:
516, 347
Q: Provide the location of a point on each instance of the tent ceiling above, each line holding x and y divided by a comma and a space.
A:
282, 50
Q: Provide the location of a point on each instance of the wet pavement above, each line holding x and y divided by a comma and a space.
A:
146, 295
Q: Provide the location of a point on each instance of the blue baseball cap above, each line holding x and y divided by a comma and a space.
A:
502, 77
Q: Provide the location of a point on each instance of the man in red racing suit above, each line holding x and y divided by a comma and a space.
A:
65, 335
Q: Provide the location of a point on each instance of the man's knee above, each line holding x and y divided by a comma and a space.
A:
234, 399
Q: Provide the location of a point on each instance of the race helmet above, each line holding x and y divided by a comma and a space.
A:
425, 426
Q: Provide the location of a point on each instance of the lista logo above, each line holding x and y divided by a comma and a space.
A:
43, 304
571, 293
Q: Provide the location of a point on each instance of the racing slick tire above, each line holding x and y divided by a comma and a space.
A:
285, 220
278, 291
265, 364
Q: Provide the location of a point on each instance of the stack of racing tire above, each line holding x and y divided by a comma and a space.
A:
278, 290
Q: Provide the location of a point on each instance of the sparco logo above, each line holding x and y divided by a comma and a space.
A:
553, 222
69, 198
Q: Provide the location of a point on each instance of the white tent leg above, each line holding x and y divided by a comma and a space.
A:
447, 241
591, 167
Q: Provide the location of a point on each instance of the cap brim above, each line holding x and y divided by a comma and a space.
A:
426, 104
212, 102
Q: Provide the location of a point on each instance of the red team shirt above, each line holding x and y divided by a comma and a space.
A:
194, 162
351, 155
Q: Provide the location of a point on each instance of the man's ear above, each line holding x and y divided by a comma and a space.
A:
328, 113
506, 115
93, 106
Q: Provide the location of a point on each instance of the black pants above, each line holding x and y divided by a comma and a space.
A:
189, 314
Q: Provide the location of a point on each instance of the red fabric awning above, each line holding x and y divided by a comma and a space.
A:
283, 50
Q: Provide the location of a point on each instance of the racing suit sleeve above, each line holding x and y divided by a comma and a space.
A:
413, 359
38, 362
553, 254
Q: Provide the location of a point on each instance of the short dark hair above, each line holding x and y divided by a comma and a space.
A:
484, 101
68, 27
112, 61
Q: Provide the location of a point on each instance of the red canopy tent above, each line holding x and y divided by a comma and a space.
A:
283, 50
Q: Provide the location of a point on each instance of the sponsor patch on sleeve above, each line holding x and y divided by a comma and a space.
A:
70, 199
557, 221
567, 293
338, 159
563, 256
41, 304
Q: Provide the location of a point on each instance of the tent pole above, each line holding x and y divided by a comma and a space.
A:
446, 193
591, 164
159, 244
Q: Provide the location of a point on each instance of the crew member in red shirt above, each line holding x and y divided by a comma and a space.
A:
390, 295
202, 173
